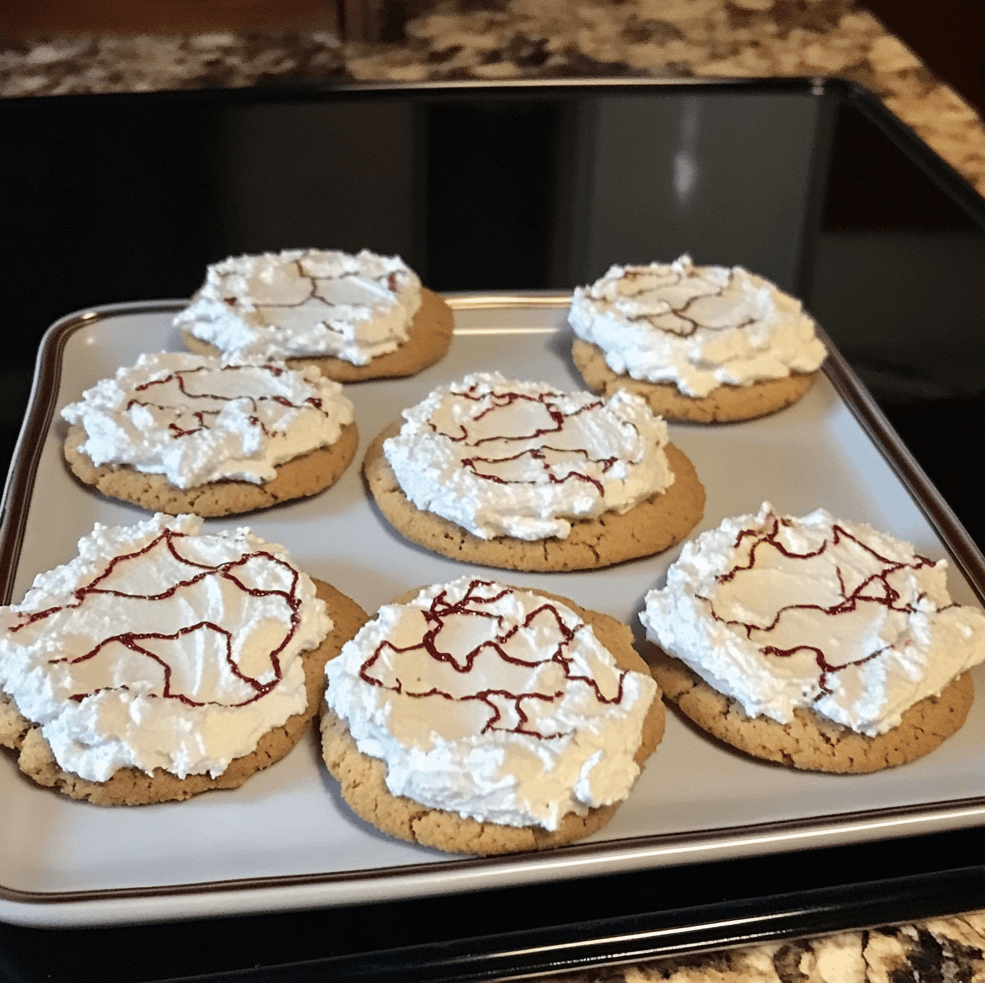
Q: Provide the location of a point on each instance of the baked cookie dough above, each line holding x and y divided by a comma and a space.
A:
815, 642
130, 785
704, 344
811, 742
364, 777
724, 404
355, 317
526, 476
299, 478
183, 433
651, 527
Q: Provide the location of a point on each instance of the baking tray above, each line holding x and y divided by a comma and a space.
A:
285, 840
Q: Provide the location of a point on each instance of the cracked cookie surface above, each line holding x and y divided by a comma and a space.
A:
362, 778
812, 742
652, 526
131, 786
298, 478
725, 404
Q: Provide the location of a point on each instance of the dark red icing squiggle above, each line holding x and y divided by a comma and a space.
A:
477, 603
550, 403
314, 293
689, 325
874, 589
234, 572
179, 378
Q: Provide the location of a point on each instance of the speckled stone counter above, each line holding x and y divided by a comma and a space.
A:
533, 39
577, 38
947, 950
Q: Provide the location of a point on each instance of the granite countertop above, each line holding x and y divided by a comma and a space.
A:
502, 39
577, 38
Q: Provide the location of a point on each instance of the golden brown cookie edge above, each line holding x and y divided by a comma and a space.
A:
724, 404
301, 477
812, 742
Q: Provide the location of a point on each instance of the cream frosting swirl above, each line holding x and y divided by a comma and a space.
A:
492, 702
160, 646
305, 302
523, 459
698, 327
781, 612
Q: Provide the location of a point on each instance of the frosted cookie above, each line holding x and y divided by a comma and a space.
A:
821, 644
701, 343
356, 317
480, 718
523, 476
187, 433
162, 662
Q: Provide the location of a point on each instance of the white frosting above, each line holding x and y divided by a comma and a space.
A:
305, 302
147, 650
696, 326
196, 420
492, 702
522, 459
782, 612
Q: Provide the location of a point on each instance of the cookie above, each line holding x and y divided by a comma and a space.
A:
429, 337
812, 742
650, 527
179, 432
131, 786
527, 476
815, 641
363, 778
699, 343
355, 316
299, 478
164, 650
724, 404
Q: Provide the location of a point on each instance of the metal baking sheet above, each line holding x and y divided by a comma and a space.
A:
285, 840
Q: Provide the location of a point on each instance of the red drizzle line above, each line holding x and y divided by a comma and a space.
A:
539, 454
549, 401
314, 294
178, 377
849, 602
132, 640
691, 325
473, 604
